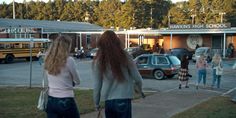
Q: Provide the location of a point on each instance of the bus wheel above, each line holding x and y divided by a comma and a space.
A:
9, 59
27, 58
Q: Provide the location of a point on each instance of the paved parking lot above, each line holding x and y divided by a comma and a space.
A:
18, 74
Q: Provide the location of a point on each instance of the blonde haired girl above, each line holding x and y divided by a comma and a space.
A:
62, 76
201, 66
216, 62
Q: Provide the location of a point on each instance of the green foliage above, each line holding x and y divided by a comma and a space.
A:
142, 14
126, 14
48, 11
206, 11
4, 10
21, 102
68, 12
107, 13
132, 13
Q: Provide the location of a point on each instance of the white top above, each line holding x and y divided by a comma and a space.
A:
61, 85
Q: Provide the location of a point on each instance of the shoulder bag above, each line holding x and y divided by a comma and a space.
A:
43, 97
219, 70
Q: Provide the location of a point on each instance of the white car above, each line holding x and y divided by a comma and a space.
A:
93, 53
206, 51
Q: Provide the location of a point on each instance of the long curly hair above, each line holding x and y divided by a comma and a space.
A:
110, 55
57, 54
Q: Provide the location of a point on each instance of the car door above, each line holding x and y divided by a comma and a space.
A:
143, 64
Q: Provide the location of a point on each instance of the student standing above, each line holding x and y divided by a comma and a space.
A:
216, 64
62, 76
201, 66
183, 73
40, 56
115, 76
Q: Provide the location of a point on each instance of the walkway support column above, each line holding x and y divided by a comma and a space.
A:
224, 45
80, 40
128, 40
171, 36
76, 41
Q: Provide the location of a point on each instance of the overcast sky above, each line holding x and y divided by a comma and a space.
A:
9, 1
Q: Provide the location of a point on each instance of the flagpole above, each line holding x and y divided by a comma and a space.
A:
14, 9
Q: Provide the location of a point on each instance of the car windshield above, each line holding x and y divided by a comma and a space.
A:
200, 51
132, 49
94, 50
177, 50
174, 60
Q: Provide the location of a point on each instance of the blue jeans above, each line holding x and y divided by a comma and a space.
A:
62, 108
201, 75
118, 108
40, 60
216, 78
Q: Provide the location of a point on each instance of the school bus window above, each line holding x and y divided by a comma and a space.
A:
8, 46
12, 45
38, 45
25, 45
1, 46
16, 45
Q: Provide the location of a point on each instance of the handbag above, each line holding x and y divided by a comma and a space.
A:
234, 66
43, 97
219, 70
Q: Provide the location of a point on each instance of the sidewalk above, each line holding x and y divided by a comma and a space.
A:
165, 105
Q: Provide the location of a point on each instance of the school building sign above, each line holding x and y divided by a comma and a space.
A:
200, 26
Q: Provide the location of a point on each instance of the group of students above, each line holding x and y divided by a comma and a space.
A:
114, 73
201, 66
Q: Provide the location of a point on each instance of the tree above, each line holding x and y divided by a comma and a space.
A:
59, 6
78, 11
141, 14
48, 11
4, 10
68, 13
89, 10
107, 13
231, 15
160, 10
126, 14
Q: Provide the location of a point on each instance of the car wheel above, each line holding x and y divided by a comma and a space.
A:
158, 74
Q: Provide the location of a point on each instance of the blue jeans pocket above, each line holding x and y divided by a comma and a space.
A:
65, 104
122, 105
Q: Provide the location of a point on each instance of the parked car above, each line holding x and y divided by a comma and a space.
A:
92, 53
206, 51
179, 52
79, 53
158, 66
136, 51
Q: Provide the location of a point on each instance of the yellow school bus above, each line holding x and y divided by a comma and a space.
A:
12, 48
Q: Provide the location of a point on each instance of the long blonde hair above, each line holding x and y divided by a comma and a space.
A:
57, 54
216, 59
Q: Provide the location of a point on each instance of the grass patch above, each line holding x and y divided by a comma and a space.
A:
217, 107
21, 102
